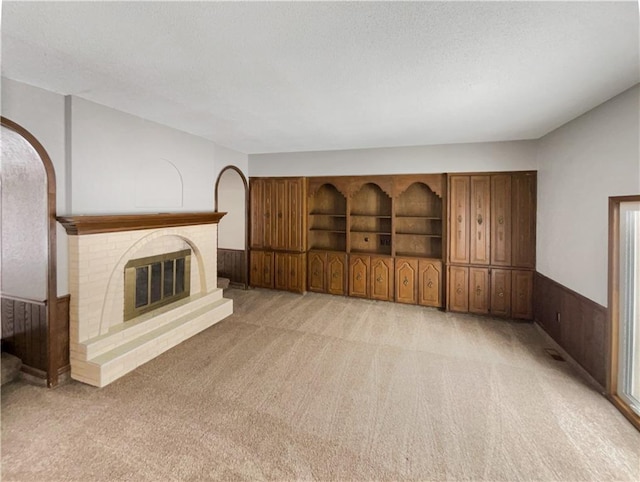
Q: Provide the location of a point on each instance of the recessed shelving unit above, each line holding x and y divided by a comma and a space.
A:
328, 219
418, 223
370, 221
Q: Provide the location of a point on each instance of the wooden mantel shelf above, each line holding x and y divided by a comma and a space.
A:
111, 223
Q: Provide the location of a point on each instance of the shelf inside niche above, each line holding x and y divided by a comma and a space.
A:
419, 201
364, 231
370, 216
386, 252
426, 235
415, 216
322, 230
331, 215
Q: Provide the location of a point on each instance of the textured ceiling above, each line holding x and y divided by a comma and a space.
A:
272, 77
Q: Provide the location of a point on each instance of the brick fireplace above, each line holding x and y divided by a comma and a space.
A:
104, 344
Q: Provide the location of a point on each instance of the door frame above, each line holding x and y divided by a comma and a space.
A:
246, 215
52, 287
614, 308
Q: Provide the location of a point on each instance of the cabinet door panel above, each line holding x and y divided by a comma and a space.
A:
406, 280
479, 290
267, 269
336, 273
280, 222
316, 271
381, 278
296, 215
257, 213
522, 295
501, 219
480, 221
430, 283
359, 276
281, 271
458, 293
267, 201
523, 236
296, 275
459, 219
501, 292
255, 268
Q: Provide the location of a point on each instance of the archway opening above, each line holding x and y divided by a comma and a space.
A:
232, 197
29, 292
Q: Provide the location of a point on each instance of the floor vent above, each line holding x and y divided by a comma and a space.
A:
554, 354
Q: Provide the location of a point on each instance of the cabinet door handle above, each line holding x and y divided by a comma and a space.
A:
335, 274
405, 281
478, 290
358, 277
459, 218
479, 219
459, 290
379, 279
430, 284
315, 273
500, 219
500, 293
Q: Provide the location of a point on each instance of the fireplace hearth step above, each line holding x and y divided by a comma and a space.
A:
123, 332
116, 362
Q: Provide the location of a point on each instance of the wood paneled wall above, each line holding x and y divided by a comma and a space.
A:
232, 265
24, 331
576, 323
24, 334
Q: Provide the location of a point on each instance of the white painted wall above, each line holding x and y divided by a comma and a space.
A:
108, 148
580, 165
42, 113
231, 199
489, 156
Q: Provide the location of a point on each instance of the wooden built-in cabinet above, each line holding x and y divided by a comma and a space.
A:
261, 269
464, 241
278, 233
458, 283
359, 271
327, 272
290, 272
492, 241
418, 281
374, 222
496, 291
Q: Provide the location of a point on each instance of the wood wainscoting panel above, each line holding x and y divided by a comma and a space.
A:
576, 323
231, 264
24, 331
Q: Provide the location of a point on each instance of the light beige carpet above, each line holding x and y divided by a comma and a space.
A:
328, 388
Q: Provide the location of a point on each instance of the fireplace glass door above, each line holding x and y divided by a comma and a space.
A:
156, 281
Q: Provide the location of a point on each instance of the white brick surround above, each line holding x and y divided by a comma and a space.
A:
103, 346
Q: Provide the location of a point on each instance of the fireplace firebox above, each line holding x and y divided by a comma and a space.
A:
156, 281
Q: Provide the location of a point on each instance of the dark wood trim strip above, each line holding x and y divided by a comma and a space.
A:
94, 224
247, 215
52, 277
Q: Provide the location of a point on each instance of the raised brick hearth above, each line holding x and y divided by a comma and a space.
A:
103, 346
